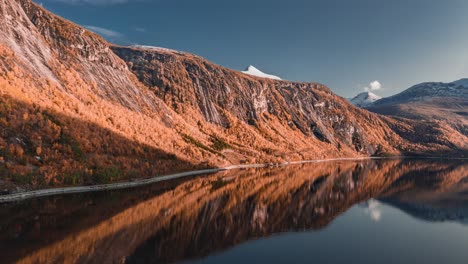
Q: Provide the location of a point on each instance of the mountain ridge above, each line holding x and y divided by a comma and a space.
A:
432, 102
76, 109
421, 91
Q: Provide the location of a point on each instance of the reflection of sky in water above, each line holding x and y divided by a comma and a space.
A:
360, 235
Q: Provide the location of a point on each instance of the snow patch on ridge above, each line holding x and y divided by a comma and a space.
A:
462, 82
251, 70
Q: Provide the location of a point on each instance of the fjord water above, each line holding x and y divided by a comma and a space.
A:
372, 211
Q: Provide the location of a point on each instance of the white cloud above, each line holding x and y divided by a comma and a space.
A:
373, 86
140, 29
104, 31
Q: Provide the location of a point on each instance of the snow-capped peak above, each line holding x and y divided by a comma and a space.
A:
365, 99
251, 70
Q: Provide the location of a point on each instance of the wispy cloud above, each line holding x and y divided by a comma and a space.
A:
140, 29
373, 86
104, 31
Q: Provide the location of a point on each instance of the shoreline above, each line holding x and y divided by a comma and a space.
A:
142, 182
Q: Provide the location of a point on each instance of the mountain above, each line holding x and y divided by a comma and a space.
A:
251, 70
286, 120
72, 112
433, 102
427, 91
278, 117
365, 99
75, 109
462, 82
275, 110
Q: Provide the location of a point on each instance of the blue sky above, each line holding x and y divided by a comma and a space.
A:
345, 44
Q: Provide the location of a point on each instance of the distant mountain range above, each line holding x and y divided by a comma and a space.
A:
75, 109
431, 101
417, 93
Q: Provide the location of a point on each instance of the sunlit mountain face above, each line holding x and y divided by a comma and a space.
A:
79, 110
299, 174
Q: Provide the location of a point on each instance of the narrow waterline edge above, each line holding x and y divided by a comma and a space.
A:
142, 182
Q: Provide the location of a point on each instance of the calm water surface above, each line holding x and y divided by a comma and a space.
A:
392, 211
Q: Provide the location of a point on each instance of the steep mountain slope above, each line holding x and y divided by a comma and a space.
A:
253, 110
71, 109
299, 118
73, 112
364, 99
67, 55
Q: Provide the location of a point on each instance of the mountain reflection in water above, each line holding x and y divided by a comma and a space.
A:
190, 219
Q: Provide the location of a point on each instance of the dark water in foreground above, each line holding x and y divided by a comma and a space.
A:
393, 211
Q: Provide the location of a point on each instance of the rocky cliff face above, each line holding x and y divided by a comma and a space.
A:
70, 107
78, 110
59, 51
190, 84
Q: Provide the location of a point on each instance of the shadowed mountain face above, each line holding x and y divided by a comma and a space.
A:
195, 218
192, 112
41, 146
